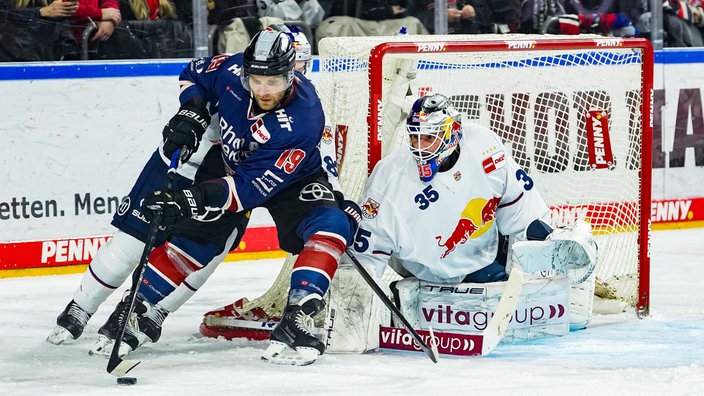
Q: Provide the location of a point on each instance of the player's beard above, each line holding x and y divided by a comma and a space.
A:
269, 102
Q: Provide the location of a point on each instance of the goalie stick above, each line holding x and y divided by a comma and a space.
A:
116, 365
494, 332
431, 352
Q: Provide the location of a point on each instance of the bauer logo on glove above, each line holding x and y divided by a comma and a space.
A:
161, 203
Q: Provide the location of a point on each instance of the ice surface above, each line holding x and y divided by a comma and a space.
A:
617, 355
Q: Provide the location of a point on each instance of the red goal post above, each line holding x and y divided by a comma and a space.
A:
574, 111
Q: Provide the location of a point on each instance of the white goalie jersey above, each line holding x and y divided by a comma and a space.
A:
442, 230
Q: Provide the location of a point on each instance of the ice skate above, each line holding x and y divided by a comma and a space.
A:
292, 342
151, 321
69, 324
111, 329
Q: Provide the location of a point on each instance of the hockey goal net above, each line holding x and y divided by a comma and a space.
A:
574, 112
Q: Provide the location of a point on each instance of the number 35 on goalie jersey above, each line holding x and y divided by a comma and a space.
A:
445, 229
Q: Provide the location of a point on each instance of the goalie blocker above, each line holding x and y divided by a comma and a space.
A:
557, 296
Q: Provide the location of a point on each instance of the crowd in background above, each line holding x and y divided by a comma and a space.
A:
50, 30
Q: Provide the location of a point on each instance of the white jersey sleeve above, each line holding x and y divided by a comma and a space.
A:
442, 230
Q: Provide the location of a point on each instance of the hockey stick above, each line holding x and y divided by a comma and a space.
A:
431, 352
496, 329
116, 365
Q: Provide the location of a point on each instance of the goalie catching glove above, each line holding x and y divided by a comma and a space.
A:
195, 202
185, 130
571, 251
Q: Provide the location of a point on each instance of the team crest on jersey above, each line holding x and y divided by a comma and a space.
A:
370, 208
458, 175
259, 131
327, 135
494, 162
197, 65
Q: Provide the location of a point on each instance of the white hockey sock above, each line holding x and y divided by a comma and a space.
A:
112, 264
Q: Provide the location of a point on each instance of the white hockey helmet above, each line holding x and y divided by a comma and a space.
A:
304, 53
434, 131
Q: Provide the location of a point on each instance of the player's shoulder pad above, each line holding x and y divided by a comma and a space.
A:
217, 62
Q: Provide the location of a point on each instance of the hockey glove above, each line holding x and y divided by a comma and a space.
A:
173, 205
185, 129
354, 216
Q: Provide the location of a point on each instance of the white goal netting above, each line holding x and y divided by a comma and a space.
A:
575, 113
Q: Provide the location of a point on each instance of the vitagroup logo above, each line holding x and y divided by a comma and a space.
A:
447, 343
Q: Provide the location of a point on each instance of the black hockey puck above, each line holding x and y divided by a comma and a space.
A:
126, 381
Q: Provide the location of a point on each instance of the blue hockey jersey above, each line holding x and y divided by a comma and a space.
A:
263, 153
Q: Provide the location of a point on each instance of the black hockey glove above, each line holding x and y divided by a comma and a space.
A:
174, 205
354, 215
185, 129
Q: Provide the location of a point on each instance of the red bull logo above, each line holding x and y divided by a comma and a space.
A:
477, 217
370, 208
327, 135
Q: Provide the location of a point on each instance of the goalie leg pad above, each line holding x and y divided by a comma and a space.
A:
582, 303
406, 292
542, 307
353, 314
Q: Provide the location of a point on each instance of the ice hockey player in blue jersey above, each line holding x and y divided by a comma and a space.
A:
271, 122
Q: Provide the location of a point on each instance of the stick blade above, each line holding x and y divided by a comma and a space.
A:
434, 354
120, 368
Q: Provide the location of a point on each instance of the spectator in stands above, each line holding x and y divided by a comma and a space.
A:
237, 22
46, 9
682, 20
368, 18
697, 13
470, 16
23, 39
103, 15
592, 16
309, 12
143, 9
536, 14
679, 19
140, 10
151, 29
601, 17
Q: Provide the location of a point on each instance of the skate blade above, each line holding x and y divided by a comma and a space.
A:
280, 353
59, 335
103, 348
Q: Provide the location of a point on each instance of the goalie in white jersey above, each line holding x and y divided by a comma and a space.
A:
439, 215
439, 210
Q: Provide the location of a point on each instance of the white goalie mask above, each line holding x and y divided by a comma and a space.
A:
434, 131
